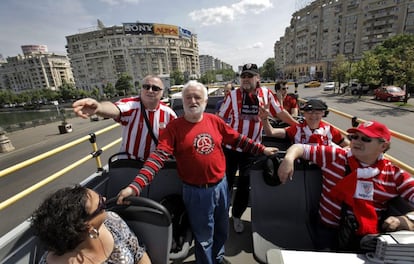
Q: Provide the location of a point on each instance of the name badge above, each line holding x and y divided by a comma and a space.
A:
364, 190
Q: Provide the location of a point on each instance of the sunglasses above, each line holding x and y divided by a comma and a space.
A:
151, 86
99, 209
246, 75
363, 138
284, 88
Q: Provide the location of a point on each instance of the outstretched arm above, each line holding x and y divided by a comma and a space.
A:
268, 129
88, 106
287, 118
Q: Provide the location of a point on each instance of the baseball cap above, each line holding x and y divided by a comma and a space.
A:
372, 129
314, 104
250, 68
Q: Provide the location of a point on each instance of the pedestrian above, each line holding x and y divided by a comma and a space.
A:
141, 129
241, 107
287, 101
196, 141
357, 183
313, 130
75, 228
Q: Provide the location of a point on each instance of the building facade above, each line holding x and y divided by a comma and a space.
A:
209, 63
98, 57
35, 69
325, 28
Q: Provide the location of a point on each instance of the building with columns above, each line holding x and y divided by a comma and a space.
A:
98, 56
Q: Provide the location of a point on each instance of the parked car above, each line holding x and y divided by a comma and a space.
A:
389, 93
312, 84
329, 86
354, 88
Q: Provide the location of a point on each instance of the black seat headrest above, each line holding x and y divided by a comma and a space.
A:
271, 165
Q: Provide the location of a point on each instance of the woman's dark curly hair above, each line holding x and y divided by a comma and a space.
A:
60, 221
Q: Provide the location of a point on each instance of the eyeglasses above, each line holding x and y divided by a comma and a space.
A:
364, 138
246, 75
151, 86
99, 209
284, 88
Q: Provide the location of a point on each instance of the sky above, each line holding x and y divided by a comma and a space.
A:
234, 31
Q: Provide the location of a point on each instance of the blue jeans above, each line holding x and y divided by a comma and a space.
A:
207, 210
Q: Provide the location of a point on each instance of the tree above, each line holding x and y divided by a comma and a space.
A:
339, 70
368, 70
395, 56
124, 84
176, 78
109, 90
267, 71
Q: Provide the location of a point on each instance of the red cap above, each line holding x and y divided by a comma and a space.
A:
372, 129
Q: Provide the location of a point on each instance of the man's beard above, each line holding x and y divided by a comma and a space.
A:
194, 111
248, 87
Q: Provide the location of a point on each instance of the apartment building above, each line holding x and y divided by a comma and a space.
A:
325, 28
209, 63
35, 69
99, 56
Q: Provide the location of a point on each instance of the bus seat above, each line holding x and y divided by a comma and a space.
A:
281, 214
151, 222
165, 184
120, 173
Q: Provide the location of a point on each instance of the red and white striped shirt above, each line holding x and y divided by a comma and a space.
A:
389, 183
252, 128
136, 139
325, 134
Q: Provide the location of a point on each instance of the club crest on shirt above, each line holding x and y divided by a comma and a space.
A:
203, 143
364, 190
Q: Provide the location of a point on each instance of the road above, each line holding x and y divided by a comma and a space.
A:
396, 118
33, 141
30, 143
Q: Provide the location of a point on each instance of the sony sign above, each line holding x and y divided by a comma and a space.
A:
138, 28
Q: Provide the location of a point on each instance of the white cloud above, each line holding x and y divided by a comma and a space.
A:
119, 2
221, 14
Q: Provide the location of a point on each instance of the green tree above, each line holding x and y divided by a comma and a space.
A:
339, 70
109, 90
208, 77
395, 56
267, 71
68, 91
124, 84
176, 78
368, 70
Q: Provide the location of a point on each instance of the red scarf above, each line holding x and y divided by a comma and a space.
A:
363, 209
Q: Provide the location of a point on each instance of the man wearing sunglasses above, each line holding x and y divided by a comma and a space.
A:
357, 184
132, 113
241, 107
288, 101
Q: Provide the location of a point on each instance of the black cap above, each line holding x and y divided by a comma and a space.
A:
250, 68
314, 104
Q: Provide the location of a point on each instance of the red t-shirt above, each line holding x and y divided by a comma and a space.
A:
197, 148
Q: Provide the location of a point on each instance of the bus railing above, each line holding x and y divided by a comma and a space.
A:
96, 152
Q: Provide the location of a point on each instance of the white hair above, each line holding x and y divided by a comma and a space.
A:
194, 83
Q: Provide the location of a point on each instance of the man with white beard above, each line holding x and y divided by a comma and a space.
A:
196, 141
